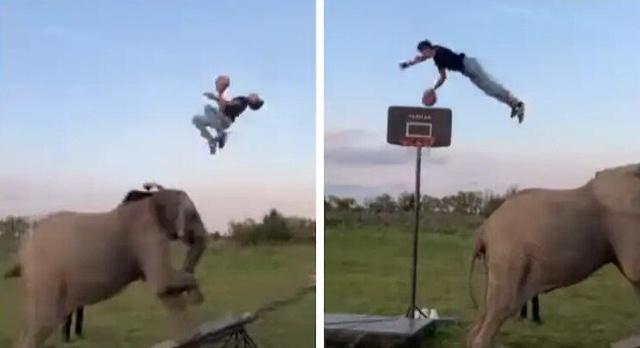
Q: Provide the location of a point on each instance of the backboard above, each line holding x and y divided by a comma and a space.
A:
408, 126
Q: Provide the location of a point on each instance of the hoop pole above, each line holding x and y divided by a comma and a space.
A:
416, 227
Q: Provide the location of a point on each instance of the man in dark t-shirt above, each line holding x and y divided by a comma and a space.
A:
445, 59
222, 117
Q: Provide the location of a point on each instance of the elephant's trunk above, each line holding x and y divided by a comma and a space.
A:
197, 242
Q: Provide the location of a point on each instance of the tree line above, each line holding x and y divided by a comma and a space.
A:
11, 229
462, 202
274, 226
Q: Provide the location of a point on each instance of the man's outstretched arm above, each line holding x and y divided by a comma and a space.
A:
217, 98
417, 59
441, 79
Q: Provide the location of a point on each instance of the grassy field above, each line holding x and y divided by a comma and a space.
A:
367, 270
233, 279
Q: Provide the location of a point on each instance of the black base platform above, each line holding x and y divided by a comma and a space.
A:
361, 330
229, 332
631, 342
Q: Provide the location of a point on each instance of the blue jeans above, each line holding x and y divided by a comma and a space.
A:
214, 119
474, 71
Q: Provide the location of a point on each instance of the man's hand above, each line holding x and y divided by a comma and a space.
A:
210, 96
404, 65
222, 83
418, 59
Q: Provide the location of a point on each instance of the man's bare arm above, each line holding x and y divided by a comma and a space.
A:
218, 98
210, 96
443, 77
222, 90
417, 59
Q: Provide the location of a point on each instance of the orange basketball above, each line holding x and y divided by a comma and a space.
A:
429, 97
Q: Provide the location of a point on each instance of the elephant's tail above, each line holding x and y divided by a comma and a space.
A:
479, 251
14, 272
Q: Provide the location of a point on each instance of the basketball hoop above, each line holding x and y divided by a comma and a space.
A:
418, 128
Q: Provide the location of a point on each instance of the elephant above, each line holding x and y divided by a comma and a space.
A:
16, 271
540, 239
73, 259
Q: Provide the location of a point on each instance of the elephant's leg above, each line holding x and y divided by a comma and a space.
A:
44, 316
178, 316
79, 320
66, 328
36, 335
474, 330
476, 327
502, 304
523, 311
169, 285
535, 310
506, 293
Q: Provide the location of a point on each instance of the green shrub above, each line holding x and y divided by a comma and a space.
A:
244, 232
274, 227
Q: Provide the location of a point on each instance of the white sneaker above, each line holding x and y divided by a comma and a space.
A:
433, 314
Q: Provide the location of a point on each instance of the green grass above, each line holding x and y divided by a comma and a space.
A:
367, 270
233, 279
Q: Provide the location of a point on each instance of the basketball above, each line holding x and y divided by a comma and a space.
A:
429, 97
222, 83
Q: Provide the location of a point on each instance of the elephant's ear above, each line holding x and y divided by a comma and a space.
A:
170, 207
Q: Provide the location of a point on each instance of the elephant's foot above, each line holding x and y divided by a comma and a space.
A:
35, 337
182, 326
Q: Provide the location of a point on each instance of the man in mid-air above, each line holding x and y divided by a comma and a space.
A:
224, 115
445, 59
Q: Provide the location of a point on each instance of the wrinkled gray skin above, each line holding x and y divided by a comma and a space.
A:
75, 259
540, 240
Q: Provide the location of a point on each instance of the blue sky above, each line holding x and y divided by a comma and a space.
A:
97, 97
575, 64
